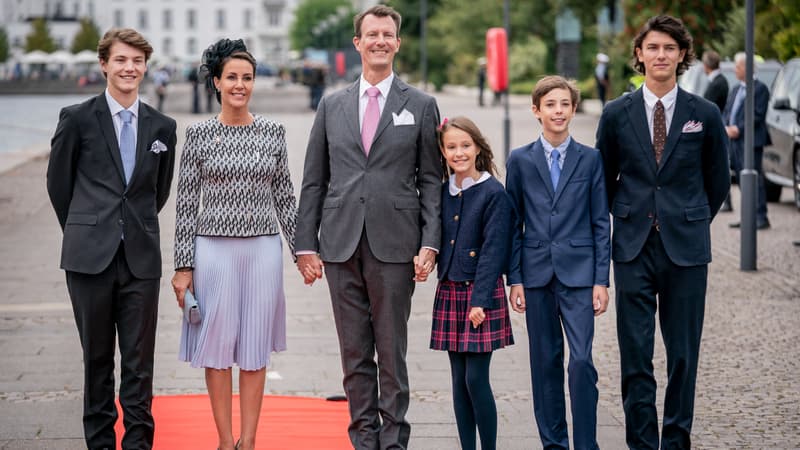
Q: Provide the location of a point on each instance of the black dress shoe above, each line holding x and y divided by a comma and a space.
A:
763, 225
726, 207
735, 225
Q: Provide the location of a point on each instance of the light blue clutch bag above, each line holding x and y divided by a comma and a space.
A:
191, 309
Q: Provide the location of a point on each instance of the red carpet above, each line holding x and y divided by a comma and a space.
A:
296, 423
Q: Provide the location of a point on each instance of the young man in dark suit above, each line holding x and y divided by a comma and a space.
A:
667, 174
716, 93
559, 263
369, 208
111, 164
733, 117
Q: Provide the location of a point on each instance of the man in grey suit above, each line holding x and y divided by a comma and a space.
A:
369, 208
110, 170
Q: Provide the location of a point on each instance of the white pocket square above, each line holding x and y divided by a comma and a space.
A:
404, 118
158, 147
692, 127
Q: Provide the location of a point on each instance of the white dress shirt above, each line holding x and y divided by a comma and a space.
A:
115, 108
562, 151
384, 86
668, 100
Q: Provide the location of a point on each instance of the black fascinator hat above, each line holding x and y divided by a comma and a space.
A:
215, 57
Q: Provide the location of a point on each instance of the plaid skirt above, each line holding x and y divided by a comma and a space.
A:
452, 329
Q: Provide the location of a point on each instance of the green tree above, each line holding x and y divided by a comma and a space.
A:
87, 37
3, 45
39, 38
311, 13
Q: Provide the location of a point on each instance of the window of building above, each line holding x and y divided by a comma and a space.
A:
274, 17
220, 19
143, 19
167, 47
247, 22
119, 18
76, 9
166, 19
191, 46
191, 19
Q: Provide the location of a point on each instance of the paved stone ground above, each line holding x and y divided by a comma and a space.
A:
748, 384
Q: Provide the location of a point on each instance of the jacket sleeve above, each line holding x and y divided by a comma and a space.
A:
429, 177
64, 151
516, 198
609, 150
166, 168
601, 229
283, 193
187, 202
495, 248
316, 175
716, 164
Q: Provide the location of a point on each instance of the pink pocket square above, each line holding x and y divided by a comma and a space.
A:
692, 127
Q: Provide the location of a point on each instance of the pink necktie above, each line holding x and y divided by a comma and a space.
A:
371, 117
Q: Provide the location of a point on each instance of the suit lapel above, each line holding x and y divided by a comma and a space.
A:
142, 138
684, 110
103, 114
350, 114
638, 118
574, 154
540, 162
397, 99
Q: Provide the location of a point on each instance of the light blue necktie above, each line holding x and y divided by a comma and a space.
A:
127, 144
737, 104
555, 169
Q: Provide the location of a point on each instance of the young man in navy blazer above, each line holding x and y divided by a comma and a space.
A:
110, 170
559, 262
666, 167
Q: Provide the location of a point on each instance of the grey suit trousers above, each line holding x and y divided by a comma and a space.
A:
371, 306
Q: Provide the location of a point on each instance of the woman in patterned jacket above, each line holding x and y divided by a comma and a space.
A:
228, 251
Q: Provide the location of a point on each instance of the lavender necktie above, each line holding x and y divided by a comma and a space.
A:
371, 117
127, 144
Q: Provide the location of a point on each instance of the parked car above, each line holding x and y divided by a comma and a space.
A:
782, 158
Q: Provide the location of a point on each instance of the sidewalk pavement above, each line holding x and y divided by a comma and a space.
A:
748, 383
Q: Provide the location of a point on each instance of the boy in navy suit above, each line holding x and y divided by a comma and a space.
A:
559, 262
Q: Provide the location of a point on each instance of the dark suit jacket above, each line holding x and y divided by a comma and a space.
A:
563, 232
684, 192
717, 92
760, 101
394, 195
86, 184
476, 238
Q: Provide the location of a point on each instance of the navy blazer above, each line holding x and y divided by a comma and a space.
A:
760, 101
684, 191
562, 232
476, 238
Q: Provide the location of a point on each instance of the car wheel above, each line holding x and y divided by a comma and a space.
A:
773, 191
796, 188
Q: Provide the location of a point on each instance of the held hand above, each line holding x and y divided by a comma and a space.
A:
424, 263
476, 316
517, 298
733, 131
310, 267
599, 299
181, 281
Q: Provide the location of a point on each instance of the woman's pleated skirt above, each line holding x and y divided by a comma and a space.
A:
238, 283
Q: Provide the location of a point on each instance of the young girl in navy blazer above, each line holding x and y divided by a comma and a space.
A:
470, 315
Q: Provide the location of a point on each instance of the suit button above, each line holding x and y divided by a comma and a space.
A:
452, 242
456, 218
121, 222
658, 188
361, 199
553, 212
649, 215
124, 198
472, 254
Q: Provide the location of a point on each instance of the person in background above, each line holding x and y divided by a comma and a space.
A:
716, 93
194, 80
229, 253
470, 311
481, 79
601, 77
160, 82
369, 208
733, 117
666, 169
110, 172
560, 262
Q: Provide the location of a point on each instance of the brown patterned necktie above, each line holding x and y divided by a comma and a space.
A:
659, 130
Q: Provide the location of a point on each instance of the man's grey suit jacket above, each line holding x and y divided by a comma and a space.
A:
394, 194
